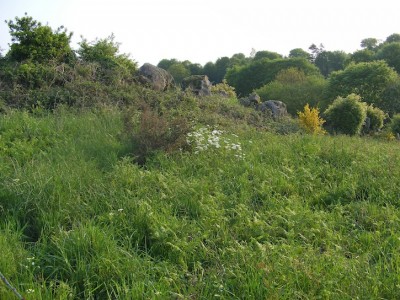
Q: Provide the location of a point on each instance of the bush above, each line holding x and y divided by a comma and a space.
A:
261, 72
390, 98
310, 120
376, 117
369, 80
155, 133
112, 68
3, 107
346, 115
295, 89
224, 89
33, 41
395, 124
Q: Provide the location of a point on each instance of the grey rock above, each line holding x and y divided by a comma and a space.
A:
367, 125
157, 78
278, 108
253, 100
197, 84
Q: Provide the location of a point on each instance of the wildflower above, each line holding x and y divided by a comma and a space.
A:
204, 139
30, 291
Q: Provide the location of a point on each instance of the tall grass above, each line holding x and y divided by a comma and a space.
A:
294, 217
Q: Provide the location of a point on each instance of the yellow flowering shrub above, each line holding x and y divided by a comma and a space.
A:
309, 120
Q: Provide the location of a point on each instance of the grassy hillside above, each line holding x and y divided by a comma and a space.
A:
261, 216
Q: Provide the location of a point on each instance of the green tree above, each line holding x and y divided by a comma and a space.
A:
390, 52
364, 55
329, 61
260, 72
33, 41
299, 53
395, 37
266, 54
369, 80
239, 59
166, 63
293, 87
376, 117
216, 71
315, 50
210, 70
221, 65
179, 72
395, 124
369, 43
194, 69
391, 98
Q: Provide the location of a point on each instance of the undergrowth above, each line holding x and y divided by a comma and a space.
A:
261, 216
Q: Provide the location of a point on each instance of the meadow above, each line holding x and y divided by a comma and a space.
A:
245, 214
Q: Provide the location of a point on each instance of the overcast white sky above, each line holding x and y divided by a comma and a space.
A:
204, 30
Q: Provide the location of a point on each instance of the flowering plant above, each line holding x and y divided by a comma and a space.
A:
205, 138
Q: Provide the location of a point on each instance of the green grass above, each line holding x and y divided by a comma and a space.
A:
299, 217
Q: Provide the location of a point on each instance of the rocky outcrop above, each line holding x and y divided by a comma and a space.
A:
278, 108
198, 84
157, 78
253, 100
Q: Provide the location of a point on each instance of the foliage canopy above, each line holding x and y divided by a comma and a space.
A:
33, 41
260, 72
367, 79
295, 89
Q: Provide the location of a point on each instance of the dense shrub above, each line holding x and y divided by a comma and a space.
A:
154, 132
295, 89
224, 89
395, 124
3, 107
390, 98
390, 52
376, 117
33, 41
260, 72
179, 72
346, 115
329, 61
112, 67
367, 79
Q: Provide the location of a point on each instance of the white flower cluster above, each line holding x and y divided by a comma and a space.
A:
30, 263
120, 210
204, 139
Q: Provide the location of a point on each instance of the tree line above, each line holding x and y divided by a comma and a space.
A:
42, 58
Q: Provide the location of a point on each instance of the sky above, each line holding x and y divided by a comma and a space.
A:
205, 30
